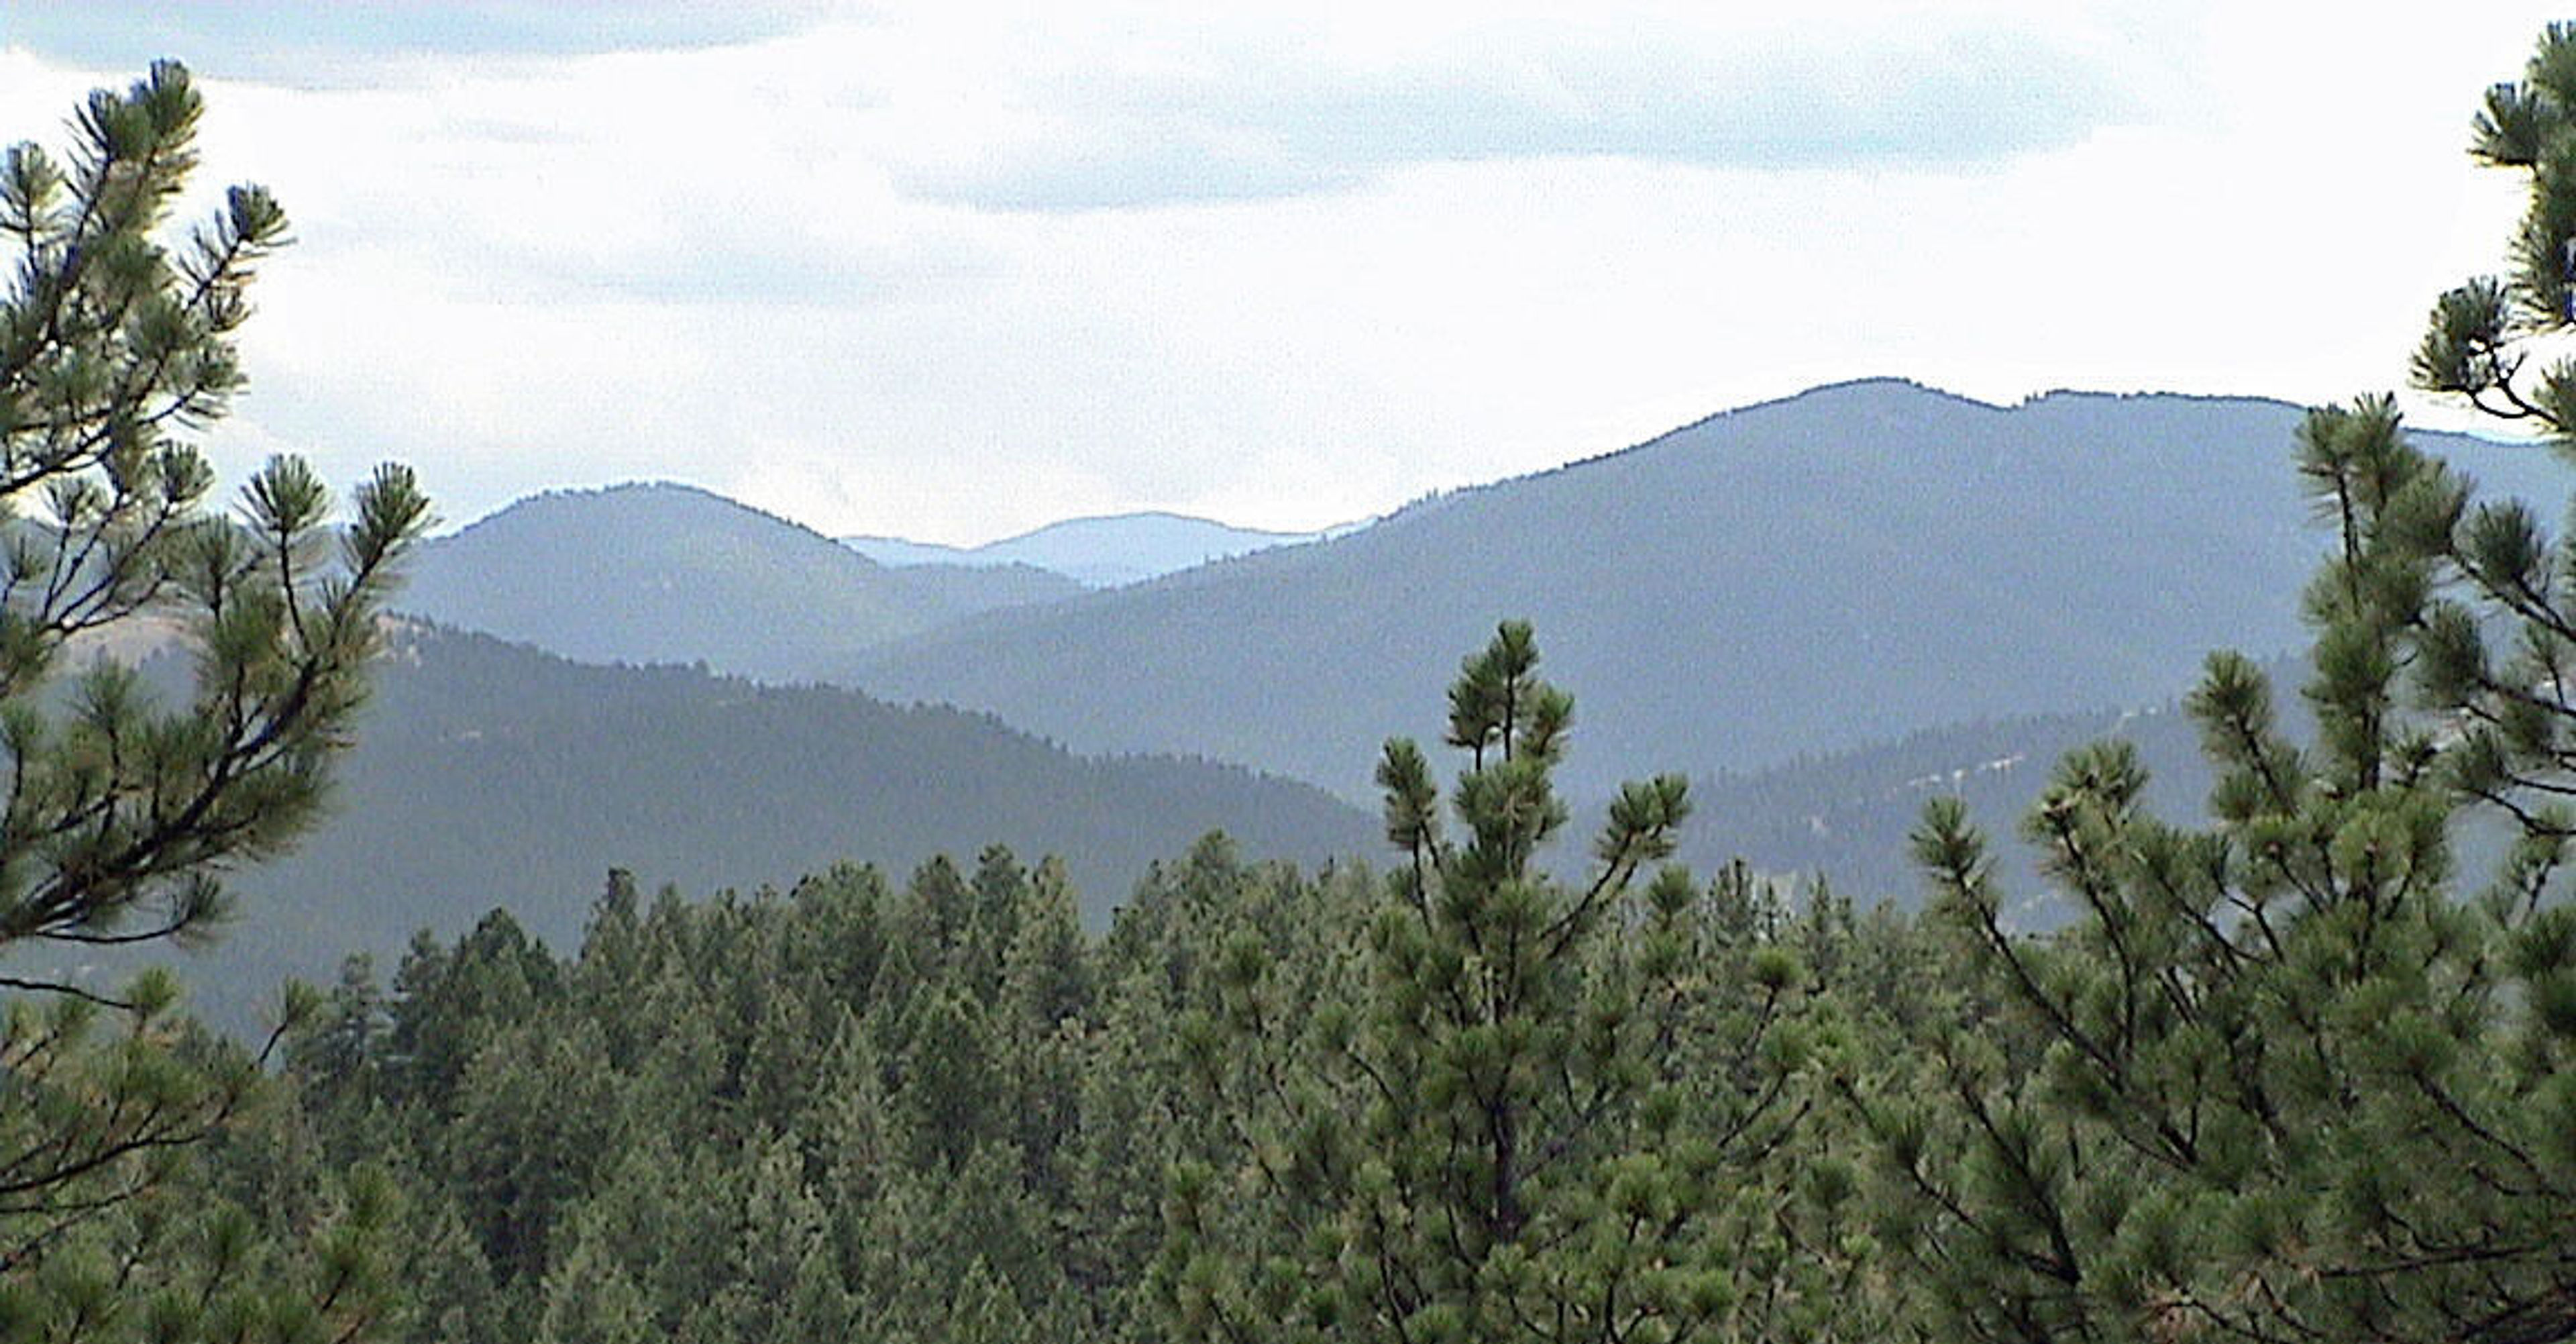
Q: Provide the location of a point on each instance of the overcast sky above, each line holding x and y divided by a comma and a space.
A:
952, 270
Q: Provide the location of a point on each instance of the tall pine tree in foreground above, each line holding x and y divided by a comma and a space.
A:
2293, 1076
1528, 1110
118, 810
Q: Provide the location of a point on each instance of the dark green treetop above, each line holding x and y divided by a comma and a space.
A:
1530, 1109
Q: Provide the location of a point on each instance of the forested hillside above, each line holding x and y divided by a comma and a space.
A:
685, 1005
937, 1109
1845, 817
673, 574
490, 775
1638, 1102
1850, 565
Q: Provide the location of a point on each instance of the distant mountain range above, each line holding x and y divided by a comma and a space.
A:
1806, 576
1100, 552
1825, 609
490, 774
662, 573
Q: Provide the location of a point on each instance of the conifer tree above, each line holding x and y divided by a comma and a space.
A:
1503, 1123
2293, 1076
119, 811
2494, 639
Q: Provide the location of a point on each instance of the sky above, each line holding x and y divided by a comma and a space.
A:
954, 270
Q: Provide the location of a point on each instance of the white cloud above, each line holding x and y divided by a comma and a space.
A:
1280, 102
1337, 256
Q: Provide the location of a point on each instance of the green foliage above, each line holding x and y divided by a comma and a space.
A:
844, 1111
2282, 1080
168, 1199
118, 812
1525, 1109
941, 1110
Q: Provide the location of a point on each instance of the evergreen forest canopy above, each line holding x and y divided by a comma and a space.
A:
2299, 1071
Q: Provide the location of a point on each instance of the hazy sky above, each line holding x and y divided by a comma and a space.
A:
951, 270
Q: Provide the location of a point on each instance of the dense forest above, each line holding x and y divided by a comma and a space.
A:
1449, 1099
2299, 1070
491, 775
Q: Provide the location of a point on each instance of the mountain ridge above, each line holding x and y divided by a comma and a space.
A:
1845, 565
661, 572
1101, 550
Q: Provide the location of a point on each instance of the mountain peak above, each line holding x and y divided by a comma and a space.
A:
1852, 563
626, 499
1103, 551
1854, 396
664, 572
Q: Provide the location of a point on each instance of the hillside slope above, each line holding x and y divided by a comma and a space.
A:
1852, 564
488, 774
670, 573
1848, 816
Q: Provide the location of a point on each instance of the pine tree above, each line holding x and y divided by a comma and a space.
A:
119, 811
2282, 1079
2494, 636
1510, 1119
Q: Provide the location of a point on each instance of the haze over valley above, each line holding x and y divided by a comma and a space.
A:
1417, 674
735, 722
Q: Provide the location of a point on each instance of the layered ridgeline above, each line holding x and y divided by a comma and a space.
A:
669, 573
1101, 552
492, 775
1850, 565
488, 774
1822, 608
